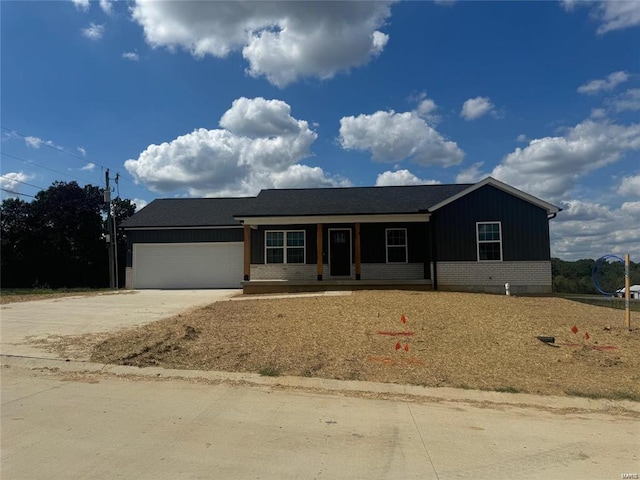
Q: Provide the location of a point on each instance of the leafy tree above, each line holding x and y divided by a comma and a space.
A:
58, 240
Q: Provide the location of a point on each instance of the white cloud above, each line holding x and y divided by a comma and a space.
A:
93, 31
82, 151
627, 101
522, 138
393, 137
106, 6
474, 108
11, 181
282, 41
473, 174
81, 4
140, 204
89, 166
612, 15
549, 167
259, 146
598, 113
33, 142
401, 177
590, 230
630, 186
607, 84
133, 56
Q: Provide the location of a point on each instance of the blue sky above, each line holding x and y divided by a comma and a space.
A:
226, 98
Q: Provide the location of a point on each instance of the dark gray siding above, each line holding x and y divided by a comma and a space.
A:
181, 236
372, 241
525, 227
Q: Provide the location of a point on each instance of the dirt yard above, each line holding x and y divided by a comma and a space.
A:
459, 340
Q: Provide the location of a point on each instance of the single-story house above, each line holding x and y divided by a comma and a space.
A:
471, 237
634, 292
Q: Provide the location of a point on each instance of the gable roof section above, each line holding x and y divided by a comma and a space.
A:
502, 186
188, 212
348, 201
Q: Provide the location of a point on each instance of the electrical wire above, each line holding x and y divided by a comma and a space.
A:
16, 193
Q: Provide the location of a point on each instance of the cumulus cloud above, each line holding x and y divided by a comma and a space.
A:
139, 203
474, 108
607, 84
550, 167
89, 167
473, 174
259, 146
401, 177
133, 56
93, 31
106, 6
82, 151
393, 137
612, 15
630, 186
590, 229
282, 41
81, 4
36, 142
627, 101
522, 138
12, 180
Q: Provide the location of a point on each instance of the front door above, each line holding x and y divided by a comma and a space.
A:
340, 252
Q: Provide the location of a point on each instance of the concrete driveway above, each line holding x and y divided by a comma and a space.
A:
99, 313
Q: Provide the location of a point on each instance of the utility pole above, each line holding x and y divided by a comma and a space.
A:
107, 200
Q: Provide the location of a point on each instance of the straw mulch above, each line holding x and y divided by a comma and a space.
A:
449, 339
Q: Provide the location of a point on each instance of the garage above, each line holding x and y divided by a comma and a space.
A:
188, 265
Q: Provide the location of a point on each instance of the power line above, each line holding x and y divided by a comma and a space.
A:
31, 162
16, 193
71, 154
23, 183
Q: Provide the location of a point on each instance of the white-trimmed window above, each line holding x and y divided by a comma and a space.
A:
396, 243
489, 240
284, 246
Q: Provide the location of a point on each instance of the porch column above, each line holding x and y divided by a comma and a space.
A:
319, 251
358, 266
247, 252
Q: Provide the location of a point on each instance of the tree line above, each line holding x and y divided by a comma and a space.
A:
58, 240
575, 277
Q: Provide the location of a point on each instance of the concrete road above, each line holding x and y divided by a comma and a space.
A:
100, 426
89, 314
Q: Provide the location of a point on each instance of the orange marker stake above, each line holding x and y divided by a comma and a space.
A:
398, 346
406, 347
586, 336
403, 319
574, 329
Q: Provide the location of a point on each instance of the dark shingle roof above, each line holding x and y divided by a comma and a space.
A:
189, 212
349, 201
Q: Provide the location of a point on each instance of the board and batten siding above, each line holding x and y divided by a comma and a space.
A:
525, 227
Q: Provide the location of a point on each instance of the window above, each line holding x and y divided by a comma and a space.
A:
489, 241
284, 247
396, 245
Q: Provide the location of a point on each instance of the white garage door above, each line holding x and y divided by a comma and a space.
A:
188, 265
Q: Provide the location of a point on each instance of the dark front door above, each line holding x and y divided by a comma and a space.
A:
340, 252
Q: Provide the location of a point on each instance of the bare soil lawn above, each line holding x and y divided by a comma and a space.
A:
459, 340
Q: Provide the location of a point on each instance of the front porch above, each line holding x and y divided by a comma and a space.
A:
294, 286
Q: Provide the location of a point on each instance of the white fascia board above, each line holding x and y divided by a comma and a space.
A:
312, 219
216, 227
505, 188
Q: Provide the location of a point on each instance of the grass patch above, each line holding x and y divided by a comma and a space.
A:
616, 395
508, 389
49, 291
602, 301
269, 372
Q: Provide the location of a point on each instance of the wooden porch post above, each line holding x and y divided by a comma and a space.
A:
319, 251
247, 252
358, 266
